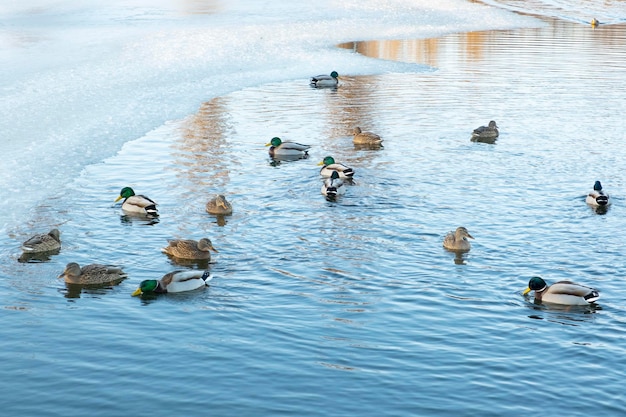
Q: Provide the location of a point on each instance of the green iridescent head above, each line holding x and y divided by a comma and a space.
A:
275, 142
329, 160
536, 284
147, 285
334, 74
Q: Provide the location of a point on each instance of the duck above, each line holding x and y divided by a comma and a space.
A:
366, 138
594, 22
176, 281
137, 203
457, 240
219, 205
489, 132
92, 274
331, 80
190, 249
286, 149
333, 186
597, 197
562, 292
43, 242
330, 166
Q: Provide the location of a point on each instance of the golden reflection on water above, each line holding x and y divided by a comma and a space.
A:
200, 154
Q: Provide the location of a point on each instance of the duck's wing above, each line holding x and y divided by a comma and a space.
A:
573, 289
294, 146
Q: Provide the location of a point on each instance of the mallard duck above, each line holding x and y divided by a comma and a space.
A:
219, 205
333, 186
331, 80
291, 150
457, 240
177, 281
597, 197
190, 249
366, 138
489, 132
562, 292
594, 22
137, 204
330, 166
43, 243
92, 274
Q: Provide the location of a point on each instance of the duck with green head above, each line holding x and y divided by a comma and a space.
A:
333, 186
177, 281
597, 196
562, 292
137, 203
320, 81
286, 149
330, 165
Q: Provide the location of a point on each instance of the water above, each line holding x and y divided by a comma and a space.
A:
317, 308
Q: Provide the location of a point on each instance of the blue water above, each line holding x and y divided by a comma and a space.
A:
344, 308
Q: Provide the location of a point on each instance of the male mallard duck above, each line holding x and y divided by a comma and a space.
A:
43, 243
331, 80
219, 205
562, 292
486, 132
177, 281
366, 138
190, 249
92, 274
331, 166
457, 240
597, 197
333, 186
137, 204
594, 22
287, 149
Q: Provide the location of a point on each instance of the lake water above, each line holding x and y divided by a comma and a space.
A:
347, 307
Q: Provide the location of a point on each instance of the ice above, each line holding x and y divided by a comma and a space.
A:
81, 78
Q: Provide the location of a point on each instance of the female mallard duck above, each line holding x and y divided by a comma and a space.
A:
331, 166
333, 186
597, 197
562, 292
291, 150
486, 132
457, 240
219, 205
92, 274
137, 204
190, 249
366, 138
331, 80
177, 281
43, 243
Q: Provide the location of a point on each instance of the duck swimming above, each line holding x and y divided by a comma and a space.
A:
177, 281
597, 197
366, 138
92, 274
287, 150
218, 205
331, 80
333, 186
457, 240
137, 203
43, 243
344, 171
190, 249
489, 132
562, 292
